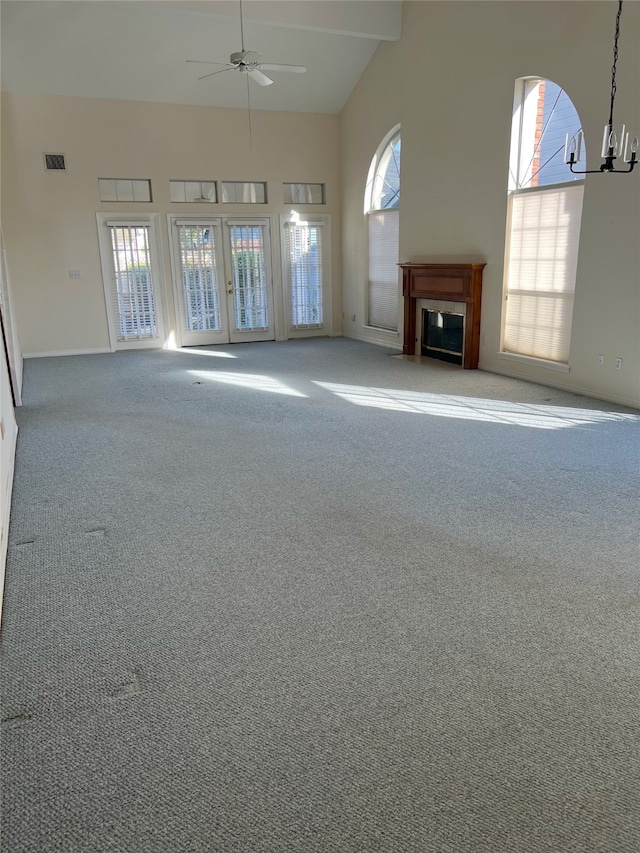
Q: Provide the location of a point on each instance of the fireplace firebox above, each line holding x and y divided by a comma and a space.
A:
443, 335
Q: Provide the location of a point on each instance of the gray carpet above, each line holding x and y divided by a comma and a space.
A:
317, 598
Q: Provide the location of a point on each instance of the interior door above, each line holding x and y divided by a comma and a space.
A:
249, 283
222, 280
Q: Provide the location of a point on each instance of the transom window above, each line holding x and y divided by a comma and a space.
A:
203, 192
383, 182
124, 189
543, 114
244, 192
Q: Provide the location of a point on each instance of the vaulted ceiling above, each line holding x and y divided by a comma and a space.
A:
136, 49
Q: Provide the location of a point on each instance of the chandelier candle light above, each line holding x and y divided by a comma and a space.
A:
616, 141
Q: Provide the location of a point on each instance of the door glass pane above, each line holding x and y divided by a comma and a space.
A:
199, 279
249, 277
134, 295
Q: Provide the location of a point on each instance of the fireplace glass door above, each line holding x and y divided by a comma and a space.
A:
443, 335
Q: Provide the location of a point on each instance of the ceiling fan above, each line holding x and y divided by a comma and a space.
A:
248, 62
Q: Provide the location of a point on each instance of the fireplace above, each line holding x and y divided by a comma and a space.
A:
441, 289
442, 335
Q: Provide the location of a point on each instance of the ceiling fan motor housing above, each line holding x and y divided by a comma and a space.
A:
245, 57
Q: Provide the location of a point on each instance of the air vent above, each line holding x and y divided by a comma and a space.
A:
54, 163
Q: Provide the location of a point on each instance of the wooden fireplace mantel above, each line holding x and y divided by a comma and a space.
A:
449, 283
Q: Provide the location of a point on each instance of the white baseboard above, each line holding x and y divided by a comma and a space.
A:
55, 353
561, 386
391, 344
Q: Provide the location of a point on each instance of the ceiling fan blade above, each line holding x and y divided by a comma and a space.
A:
296, 69
213, 73
258, 77
206, 62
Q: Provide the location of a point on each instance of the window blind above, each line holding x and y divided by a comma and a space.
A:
132, 294
248, 260
542, 262
383, 269
303, 247
199, 277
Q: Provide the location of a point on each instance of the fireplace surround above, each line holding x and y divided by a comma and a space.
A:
433, 284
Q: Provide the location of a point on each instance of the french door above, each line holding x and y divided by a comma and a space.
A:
222, 280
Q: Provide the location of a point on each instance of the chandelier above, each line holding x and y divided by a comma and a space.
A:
616, 142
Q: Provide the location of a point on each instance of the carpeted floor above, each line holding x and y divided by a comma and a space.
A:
307, 597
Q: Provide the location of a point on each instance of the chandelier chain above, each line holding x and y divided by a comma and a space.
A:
615, 62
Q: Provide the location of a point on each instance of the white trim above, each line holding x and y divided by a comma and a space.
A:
391, 332
14, 355
6, 512
535, 362
56, 353
544, 188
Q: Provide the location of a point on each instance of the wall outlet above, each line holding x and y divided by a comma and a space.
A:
74, 273
618, 364
601, 360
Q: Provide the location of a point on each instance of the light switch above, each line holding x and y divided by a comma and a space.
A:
74, 273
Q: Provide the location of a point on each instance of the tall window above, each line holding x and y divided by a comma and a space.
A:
543, 226
304, 273
382, 202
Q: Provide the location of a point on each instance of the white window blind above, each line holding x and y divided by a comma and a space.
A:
133, 302
383, 269
199, 277
542, 262
248, 261
303, 247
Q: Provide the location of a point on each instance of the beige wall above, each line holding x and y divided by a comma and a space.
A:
450, 81
49, 218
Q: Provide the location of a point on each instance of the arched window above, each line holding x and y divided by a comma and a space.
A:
381, 203
543, 225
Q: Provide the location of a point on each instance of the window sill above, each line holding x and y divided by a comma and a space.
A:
534, 362
389, 332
